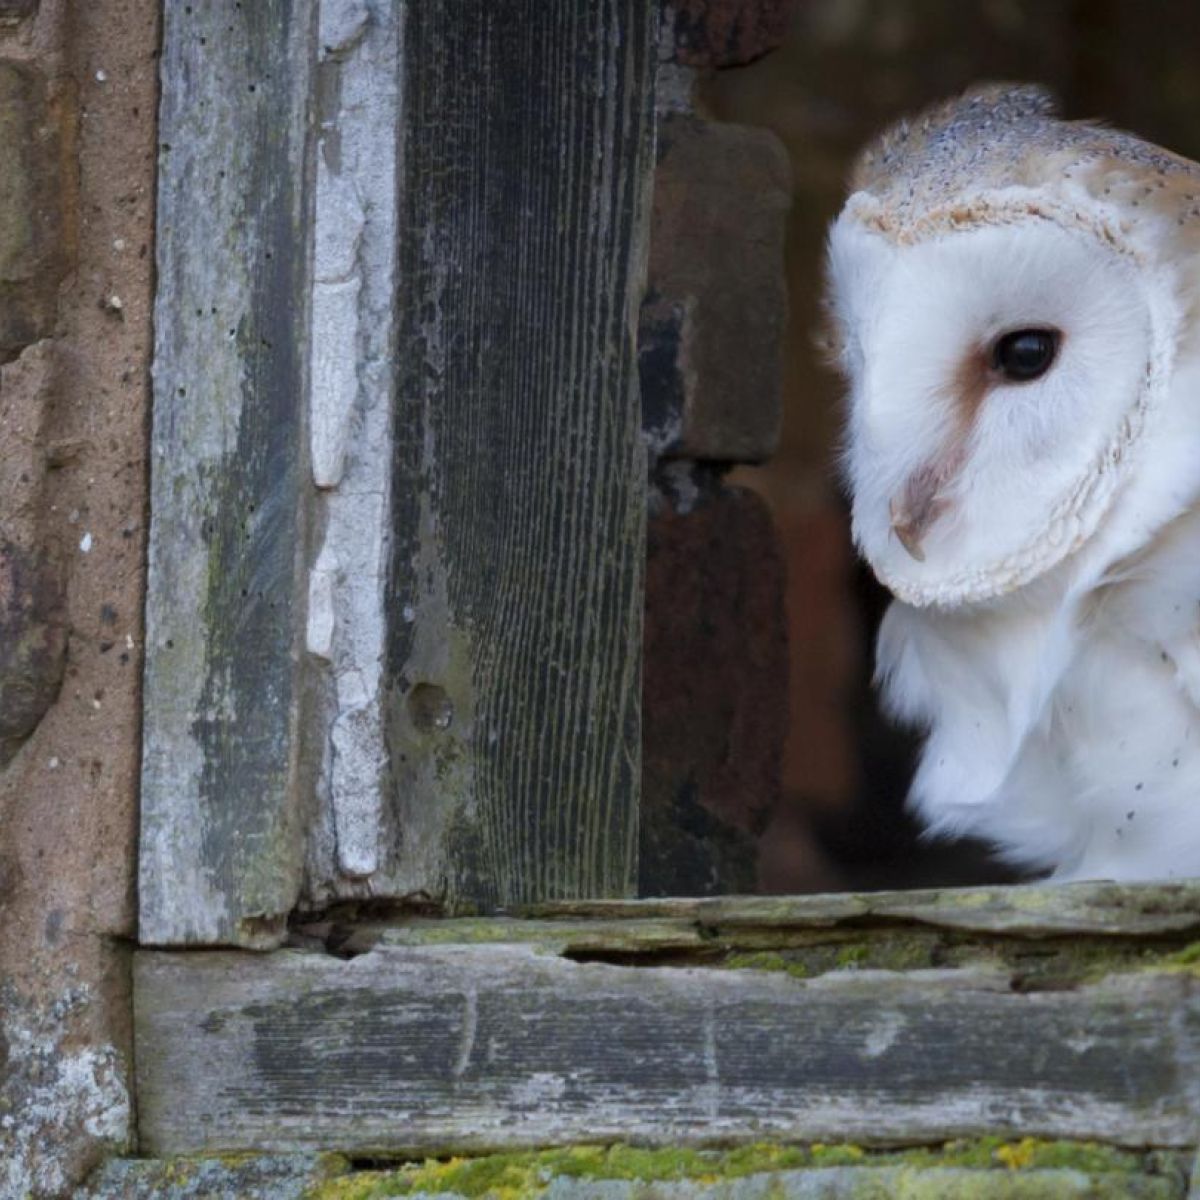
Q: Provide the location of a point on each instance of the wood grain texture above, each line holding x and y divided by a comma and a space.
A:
220, 848
519, 481
428, 1050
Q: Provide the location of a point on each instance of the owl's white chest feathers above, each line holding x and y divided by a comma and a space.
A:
1066, 732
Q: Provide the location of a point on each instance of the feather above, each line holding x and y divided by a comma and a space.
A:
1041, 535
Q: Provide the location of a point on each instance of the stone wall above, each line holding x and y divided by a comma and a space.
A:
77, 100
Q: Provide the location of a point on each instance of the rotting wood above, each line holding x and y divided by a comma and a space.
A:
1034, 910
472, 1047
569, 938
1043, 937
519, 483
1160, 914
221, 845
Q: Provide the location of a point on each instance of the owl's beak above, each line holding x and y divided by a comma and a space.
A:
907, 531
916, 509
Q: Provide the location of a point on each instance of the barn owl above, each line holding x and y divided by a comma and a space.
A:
1014, 300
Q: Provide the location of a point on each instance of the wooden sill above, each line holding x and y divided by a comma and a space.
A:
885, 1019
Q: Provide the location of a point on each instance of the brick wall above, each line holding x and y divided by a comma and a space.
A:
714, 815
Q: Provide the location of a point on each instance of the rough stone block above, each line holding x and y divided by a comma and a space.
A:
33, 253
728, 33
33, 642
245, 1177
33, 624
716, 303
64, 1095
714, 691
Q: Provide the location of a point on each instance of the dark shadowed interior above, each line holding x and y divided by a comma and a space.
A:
848, 68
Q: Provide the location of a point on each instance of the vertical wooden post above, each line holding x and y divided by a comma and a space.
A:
222, 849
519, 482
468, 726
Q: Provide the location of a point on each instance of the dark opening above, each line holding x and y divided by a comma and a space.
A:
847, 69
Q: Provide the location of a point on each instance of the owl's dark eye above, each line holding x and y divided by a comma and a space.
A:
1025, 354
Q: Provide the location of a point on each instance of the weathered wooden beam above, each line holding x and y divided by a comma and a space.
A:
473, 1047
519, 482
1044, 937
221, 844
581, 937
1034, 910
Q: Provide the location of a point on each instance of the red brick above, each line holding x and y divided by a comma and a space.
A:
715, 684
826, 647
716, 304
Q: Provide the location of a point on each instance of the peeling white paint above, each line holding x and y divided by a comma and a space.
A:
342, 24
539, 1088
319, 632
352, 350
337, 282
358, 765
884, 1034
335, 381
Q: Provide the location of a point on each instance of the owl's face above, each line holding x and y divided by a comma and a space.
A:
999, 372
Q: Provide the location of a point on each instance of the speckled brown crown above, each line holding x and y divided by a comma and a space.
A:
1001, 135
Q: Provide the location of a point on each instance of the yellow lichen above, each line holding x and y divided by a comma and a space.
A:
1019, 1155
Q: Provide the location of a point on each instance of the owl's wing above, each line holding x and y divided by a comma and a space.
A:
1154, 597
1184, 654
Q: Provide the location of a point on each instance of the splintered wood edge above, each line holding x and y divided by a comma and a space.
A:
1038, 910
645, 927
1091, 910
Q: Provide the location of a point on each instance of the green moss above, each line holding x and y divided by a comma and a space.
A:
766, 960
889, 952
518, 1176
1027, 1153
852, 956
1045, 962
1186, 960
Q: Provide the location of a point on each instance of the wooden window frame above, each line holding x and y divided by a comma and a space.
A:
573, 1015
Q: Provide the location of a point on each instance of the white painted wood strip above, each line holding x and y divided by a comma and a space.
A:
352, 349
422, 1051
